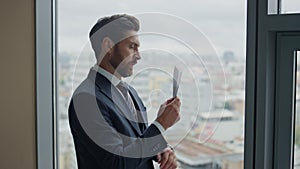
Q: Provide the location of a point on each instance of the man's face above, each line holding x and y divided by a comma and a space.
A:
125, 55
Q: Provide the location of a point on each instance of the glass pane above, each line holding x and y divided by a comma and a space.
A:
290, 6
272, 7
297, 117
208, 46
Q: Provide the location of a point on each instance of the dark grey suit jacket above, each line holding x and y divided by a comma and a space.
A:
104, 136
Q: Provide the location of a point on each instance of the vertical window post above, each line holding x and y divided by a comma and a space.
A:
45, 52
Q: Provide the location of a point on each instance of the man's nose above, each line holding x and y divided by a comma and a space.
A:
137, 55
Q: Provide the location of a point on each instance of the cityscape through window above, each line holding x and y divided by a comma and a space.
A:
205, 39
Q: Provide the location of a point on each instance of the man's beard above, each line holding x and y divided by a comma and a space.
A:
121, 68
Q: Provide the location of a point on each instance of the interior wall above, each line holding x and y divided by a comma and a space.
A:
17, 85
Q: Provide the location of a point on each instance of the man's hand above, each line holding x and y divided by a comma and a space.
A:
167, 159
168, 113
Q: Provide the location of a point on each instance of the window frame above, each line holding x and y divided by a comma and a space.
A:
286, 65
45, 90
260, 87
260, 104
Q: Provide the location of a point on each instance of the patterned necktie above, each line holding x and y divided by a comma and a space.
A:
123, 87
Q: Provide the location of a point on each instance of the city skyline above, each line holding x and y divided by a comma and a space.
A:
155, 84
194, 36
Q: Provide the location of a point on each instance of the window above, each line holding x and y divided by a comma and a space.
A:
45, 104
194, 38
286, 86
290, 6
270, 87
264, 141
297, 117
283, 7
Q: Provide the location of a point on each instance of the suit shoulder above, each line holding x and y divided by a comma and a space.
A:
85, 87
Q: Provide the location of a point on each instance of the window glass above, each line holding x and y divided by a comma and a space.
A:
272, 7
290, 6
297, 117
205, 39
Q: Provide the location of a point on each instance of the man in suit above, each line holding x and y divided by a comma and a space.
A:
107, 118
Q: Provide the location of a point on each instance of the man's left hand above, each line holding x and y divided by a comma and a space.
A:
167, 159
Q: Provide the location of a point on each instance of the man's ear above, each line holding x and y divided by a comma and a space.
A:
107, 45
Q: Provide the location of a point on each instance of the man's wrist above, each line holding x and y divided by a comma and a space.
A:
160, 121
159, 126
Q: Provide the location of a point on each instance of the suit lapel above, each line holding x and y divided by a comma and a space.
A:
112, 93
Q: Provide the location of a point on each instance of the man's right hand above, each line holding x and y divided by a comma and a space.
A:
168, 113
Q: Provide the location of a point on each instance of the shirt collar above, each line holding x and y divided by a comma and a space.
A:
112, 78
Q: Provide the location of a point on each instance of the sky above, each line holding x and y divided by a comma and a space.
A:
223, 23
